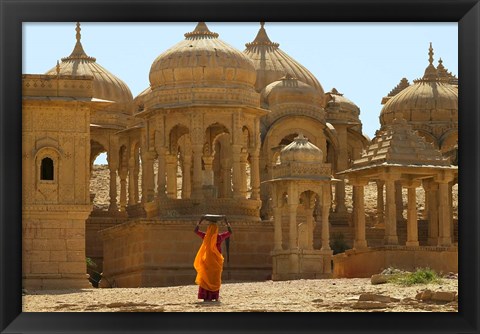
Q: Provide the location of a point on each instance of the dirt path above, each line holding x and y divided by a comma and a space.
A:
325, 295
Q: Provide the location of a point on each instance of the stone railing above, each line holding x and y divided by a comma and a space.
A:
301, 169
52, 85
234, 208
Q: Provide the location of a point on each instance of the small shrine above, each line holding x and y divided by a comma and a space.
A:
301, 182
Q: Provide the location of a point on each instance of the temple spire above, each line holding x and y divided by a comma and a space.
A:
431, 73
262, 38
430, 54
78, 52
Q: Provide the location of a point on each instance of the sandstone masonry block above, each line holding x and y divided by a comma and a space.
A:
72, 267
44, 267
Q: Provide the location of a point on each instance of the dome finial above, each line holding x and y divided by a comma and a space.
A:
430, 54
262, 38
201, 31
78, 29
78, 52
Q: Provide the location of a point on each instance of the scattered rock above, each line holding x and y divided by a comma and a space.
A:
424, 295
378, 279
317, 300
392, 271
444, 296
377, 298
367, 305
451, 275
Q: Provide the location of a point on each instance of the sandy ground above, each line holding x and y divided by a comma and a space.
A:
321, 295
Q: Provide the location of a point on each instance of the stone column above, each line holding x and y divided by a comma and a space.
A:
148, 176
277, 220
131, 181
162, 161
444, 220
326, 203
136, 172
171, 162
112, 166
342, 164
292, 214
197, 172
310, 227
236, 173
431, 189
122, 172
187, 182
226, 177
380, 203
208, 172
360, 240
399, 201
412, 219
391, 237
243, 173
255, 174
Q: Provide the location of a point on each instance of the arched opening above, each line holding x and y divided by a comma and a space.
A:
46, 169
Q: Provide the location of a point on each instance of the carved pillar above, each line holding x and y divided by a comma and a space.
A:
310, 227
412, 219
208, 172
236, 173
113, 190
131, 181
148, 176
112, 166
326, 203
136, 172
187, 180
162, 161
380, 203
122, 172
197, 171
243, 173
226, 177
391, 237
399, 201
431, 188
277, 220
359, 208
171, 164
255, 174
292, 213
342, 164
444, 220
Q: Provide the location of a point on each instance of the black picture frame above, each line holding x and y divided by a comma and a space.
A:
14, 12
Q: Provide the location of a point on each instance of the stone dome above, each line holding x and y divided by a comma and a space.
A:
340, 108
106, 86
429, 99
290, 90
271, 63
301, 150
202, 59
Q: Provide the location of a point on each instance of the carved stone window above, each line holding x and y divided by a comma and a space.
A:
46, 169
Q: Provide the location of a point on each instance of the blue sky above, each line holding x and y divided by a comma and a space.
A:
364, 61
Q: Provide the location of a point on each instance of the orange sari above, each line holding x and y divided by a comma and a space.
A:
209, 261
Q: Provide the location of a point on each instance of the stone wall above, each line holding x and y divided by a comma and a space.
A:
372, 261
53, 251
161, 253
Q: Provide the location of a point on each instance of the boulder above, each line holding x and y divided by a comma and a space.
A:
379, 279
424, 295
444, 296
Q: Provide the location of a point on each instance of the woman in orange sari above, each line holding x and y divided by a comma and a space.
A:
209, 261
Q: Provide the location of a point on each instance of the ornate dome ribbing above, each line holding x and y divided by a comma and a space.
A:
272, 63
301, 150
202, 59
429, 99
106, 86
